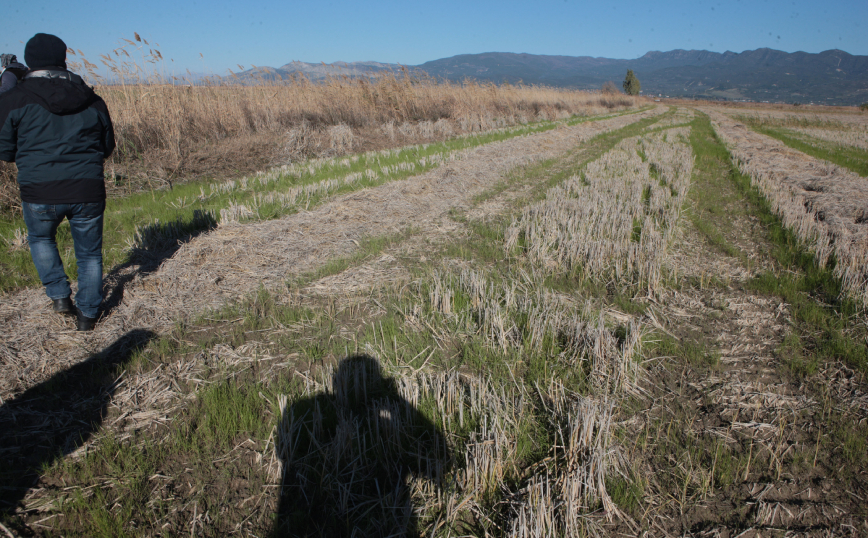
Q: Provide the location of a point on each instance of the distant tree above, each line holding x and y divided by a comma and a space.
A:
631, 84
863, 107
609, 88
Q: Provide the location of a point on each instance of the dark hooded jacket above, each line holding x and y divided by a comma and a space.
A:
58, 132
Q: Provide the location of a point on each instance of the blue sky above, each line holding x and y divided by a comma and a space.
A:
272, 33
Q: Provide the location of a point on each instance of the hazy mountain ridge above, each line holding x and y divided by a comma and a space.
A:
317, 71
831, 77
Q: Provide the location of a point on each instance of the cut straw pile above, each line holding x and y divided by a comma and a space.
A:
857, 139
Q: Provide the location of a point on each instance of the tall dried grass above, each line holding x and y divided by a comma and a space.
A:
325, 118
157, 112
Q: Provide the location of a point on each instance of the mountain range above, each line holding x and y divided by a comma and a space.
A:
833, 77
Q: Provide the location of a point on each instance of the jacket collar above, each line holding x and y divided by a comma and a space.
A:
53, 73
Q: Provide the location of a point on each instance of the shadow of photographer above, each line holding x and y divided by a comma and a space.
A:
54, 418
154, 244
348, 456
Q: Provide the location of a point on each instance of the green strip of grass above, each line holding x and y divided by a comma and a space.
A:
707, 195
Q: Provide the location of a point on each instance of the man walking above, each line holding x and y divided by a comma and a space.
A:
59, 131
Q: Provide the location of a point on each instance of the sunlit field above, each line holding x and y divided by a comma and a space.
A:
446, 310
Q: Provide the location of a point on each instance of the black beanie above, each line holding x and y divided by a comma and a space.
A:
45, 50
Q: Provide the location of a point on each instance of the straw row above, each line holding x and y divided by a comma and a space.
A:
857, 139
781, 118
614, 220
682, 116
302, 195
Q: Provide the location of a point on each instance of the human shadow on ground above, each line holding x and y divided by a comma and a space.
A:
54, 418
348, 456
154, 244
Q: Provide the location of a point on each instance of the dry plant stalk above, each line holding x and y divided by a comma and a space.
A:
328, 442
325, 118
586, 340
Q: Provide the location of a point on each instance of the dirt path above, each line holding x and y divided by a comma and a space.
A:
235, 260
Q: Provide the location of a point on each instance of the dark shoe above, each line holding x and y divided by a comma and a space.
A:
84, 323
63, 306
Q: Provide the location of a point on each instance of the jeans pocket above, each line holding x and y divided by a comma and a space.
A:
42, 211
92, 209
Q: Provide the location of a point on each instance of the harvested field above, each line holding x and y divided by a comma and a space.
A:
235, 260
559, 334
826, 206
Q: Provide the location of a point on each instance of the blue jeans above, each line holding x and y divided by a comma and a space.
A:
85, 223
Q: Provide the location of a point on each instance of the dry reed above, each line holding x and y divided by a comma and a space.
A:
174, 121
